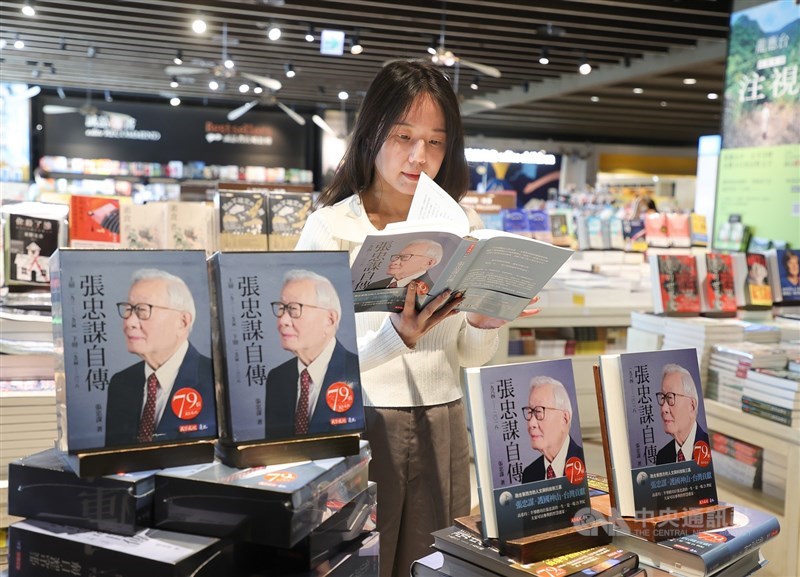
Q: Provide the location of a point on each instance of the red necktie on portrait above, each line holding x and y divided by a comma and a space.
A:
301, 416
147, 423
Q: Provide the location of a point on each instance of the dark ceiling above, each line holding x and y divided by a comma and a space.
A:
650, 45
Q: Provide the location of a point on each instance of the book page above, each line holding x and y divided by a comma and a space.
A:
431, 202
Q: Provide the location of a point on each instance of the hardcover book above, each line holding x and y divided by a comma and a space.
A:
32, 231
242, 220
130, 328
497, 273
284, 321
288, 212
275, 505
190, 226
707, 552
654, 424
43, 549
718, 296
758, 292
94, 221
528, 449
143, 226
675, 284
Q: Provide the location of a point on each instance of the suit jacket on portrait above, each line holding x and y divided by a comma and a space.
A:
384, 282
536, 471
126, 392
668, 454
281, 398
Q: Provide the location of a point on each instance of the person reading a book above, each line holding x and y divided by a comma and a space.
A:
678, 402
549, 416
411, 264
409, 123
307, 317
169, 394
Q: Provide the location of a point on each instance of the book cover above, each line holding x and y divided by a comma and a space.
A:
94, 221
132, 331
32, 232
675, 284
275, 505
758, 292
461, 544
655, 229
539, 225
143, 226
242, 220
678, 230
707, 552
560, 228
190, 226
633, 234
789, 274
656, 432
287, 215
699, 229
280, 316
528, 448
718, 295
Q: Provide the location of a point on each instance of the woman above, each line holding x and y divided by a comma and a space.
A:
410, 361
791, 265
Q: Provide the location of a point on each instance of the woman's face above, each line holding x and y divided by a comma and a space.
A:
417, 143
793, 266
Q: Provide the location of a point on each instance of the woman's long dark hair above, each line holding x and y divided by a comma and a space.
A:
388, 100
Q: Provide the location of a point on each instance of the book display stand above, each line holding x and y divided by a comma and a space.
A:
257, 454
112, 461
593, 532
658, 525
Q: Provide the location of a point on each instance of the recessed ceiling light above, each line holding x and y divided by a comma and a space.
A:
690, 81
343, 95
28, 8
712, 95
638, 90
175, 101
244, 88
258, 90
273, 32
595, 99
213, 85
663, 104
199, 26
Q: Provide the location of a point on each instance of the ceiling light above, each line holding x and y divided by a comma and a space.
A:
290, 73
475, 85
310, 34
543, 59
175, 101
433, 45
712, 95
258, 90
174, 82
199, 26
18, 43
228, 64
356, 47
690, 81
663, 104
213, 85
244, 88
178, 60
273, 32
62, 43
343, 95
638, 90
107, 96
61, 94
595, 99
585, 68
28, 9
91, 52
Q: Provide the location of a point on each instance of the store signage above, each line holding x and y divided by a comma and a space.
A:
228, 133
331, 42
116, 126
527, 157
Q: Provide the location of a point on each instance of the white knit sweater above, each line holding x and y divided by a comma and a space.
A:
392, 375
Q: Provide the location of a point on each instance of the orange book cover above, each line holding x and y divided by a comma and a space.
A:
93, 219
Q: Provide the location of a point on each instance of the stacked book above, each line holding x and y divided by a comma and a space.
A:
27, 419
646, 332
729, 363
772, 394
762, 333
701, 333
737, 461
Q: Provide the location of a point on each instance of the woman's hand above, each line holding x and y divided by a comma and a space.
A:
484, 322
411, 324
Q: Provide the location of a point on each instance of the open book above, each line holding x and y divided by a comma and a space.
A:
497, 272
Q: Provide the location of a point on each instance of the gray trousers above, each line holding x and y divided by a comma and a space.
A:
420, 461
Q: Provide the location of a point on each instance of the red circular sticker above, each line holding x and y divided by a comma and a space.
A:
575, 471
550, 572
712, 537
701, 453
278, 478
187, 403
339, 397
422, 287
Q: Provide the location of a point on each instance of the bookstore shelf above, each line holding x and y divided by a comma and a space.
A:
783, 552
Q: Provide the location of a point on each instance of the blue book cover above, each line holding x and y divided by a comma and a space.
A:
280, 316
132, 336
528, 447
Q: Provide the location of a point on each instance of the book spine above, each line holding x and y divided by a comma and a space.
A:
767, 415
741, 545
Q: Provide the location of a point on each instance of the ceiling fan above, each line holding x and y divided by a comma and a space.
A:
244, 108
223, 69
441, 55
19, 91
88, 109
